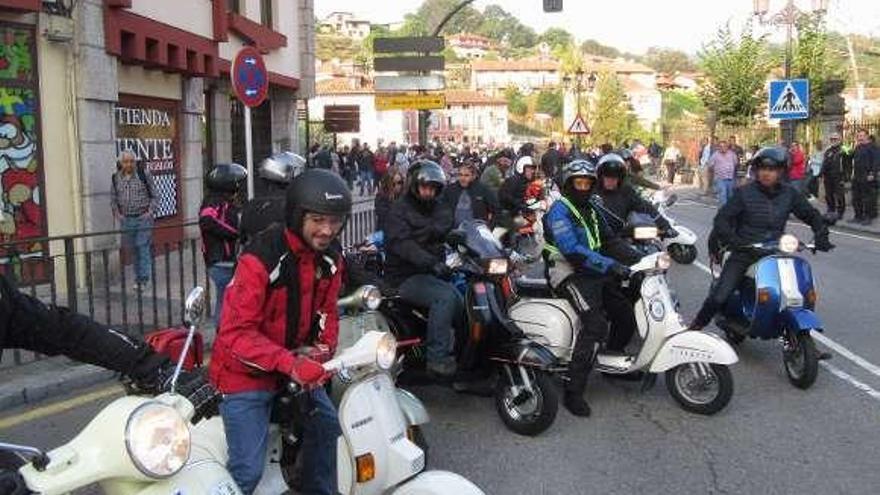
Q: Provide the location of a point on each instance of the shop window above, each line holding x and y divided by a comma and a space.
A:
266, 13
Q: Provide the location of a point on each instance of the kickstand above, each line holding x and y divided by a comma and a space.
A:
648, 382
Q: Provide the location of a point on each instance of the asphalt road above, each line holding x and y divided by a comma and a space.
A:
772, 438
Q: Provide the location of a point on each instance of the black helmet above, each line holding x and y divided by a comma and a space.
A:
578, 168
317, 191
281, 168
625, 153
426, 172
771, 156
226, 177
611, 165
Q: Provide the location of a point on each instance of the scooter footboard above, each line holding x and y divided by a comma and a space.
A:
693, 347
801, 319
438, 483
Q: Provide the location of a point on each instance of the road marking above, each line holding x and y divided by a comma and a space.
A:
843, 351
59, 407
843, 375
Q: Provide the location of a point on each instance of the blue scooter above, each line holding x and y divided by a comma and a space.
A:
777, 300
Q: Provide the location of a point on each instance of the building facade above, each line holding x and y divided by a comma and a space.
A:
470, 118
141, 75
469, 46
345, 24
495, 76
377, 127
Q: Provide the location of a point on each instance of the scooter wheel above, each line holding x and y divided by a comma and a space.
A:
701, 388
524, 412
684, 254
802, 361
733, 338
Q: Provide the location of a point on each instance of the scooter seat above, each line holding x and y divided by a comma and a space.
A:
533, 287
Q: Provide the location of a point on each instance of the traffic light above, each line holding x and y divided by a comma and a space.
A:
552, 5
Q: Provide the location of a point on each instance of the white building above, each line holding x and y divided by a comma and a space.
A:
377, 127
347, 25
495, 76
469, 46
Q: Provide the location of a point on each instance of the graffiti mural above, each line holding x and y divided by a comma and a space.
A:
22, 215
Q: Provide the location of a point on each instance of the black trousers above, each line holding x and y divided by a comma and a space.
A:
864, 199
835, 196
593, 297
731, 275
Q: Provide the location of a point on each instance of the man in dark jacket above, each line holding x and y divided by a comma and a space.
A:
280, 325
832, 175
468, 199
551, 160
757, 212
366, 164
866, 167
619, 199
275, 173
415, 235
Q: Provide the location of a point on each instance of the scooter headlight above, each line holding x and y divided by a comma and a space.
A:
788, 244
158, 440
644, 233
664, 261
372, 297
386, 351
497, 266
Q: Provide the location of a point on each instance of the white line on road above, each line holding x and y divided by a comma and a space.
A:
843, 375
843, 351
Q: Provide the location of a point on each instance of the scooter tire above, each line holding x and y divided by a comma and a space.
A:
807, 349
537, 422
683, 254
725, 390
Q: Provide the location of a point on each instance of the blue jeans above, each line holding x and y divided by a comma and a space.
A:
246, 422
724, 190
138, 236
445, 314
220, 275
366, 179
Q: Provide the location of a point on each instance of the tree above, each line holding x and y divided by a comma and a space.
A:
431, 13
811, 59
504, 27
667, 60
516, 102
550, 102
593, 47
556, 38
736, 69
613, 119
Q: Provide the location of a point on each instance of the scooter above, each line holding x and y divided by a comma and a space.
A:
777, 300
493, 346
695, 363
683, 247
146, 446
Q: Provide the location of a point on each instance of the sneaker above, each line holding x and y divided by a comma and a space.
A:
444, 368
577, 405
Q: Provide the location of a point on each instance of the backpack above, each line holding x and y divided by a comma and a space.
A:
142, 175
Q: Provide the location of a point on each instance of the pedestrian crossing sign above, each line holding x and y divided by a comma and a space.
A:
578, 126
789, 99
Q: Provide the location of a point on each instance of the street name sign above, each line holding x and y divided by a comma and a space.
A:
789, 99
410, 102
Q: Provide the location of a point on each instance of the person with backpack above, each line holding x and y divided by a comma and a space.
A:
134, 204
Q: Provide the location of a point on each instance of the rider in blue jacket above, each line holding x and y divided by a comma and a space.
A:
585, 262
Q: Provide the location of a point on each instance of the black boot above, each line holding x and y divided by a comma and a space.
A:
576, 404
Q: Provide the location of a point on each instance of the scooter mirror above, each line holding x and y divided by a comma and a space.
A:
671, 200
194, 309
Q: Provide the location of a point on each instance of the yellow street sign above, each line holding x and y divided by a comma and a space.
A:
410, 102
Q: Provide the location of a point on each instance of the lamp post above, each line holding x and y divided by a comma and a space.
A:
577, 84
787, 17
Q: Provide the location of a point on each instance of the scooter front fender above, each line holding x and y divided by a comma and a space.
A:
527, 353
693, 347
201, 476
438, 483
801, 319
685, 236
414, 411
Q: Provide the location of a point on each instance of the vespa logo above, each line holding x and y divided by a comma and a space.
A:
332, 197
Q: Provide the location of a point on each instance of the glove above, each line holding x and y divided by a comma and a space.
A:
440, 270
200, 393
619, 271
823, 244
308, 372
318, 352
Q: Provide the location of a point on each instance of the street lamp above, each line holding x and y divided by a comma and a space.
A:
577, 84
787, 17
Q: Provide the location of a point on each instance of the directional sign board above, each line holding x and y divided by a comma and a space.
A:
410, 102
250, 79
409, 63
578, 126
421, 44
342, 118
433, 82
789, 99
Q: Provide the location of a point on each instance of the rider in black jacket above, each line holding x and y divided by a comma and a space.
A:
757, 212
619, 199
415, 234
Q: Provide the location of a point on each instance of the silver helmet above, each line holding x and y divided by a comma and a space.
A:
281, 167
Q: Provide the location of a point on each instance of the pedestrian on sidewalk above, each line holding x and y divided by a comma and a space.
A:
798, 167
134, 202
671, 159
723, 164
866, 166
219, 224
832, 178
366, 163
655, 151
704, 172
815, 169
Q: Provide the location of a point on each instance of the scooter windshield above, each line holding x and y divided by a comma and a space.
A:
479, 240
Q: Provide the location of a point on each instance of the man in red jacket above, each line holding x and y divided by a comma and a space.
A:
279, 324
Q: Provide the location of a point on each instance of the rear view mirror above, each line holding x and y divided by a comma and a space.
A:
194, 309
671, 200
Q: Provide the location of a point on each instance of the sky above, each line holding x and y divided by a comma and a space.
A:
631, 25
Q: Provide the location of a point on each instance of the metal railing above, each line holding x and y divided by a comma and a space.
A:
100, 283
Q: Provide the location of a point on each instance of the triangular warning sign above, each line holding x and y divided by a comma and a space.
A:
578, 126
788, 101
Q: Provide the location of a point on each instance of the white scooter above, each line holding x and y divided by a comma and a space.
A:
683, 247
695, 363
146, 446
